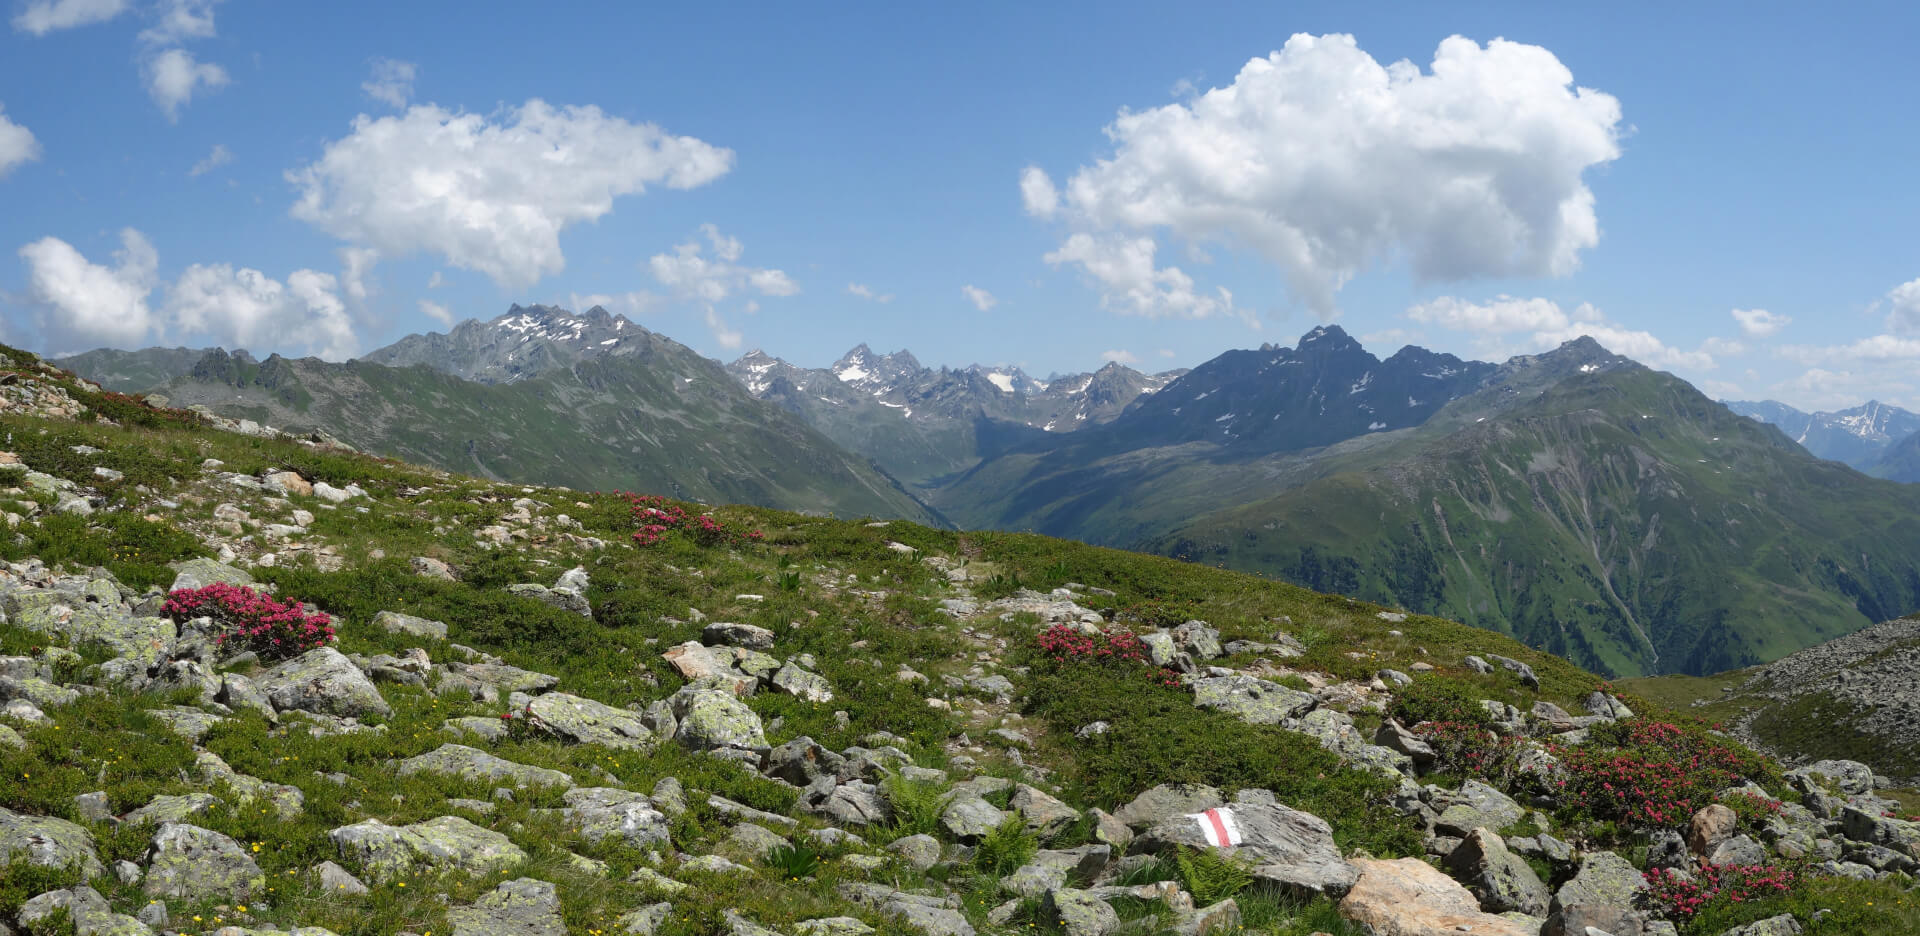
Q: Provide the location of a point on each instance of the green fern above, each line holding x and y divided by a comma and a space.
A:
1211, 875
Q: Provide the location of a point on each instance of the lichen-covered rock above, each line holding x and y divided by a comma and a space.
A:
238, 692
187, 722
725, 633
199, 573
753, 842
1251, 699
336, 880
584, 721
713, 718
795, 681
1500, 879
287, 800
1165, 801
47, 842
566, 599
1897, 834
1602, 896
524, 907
1079, 913
163, 809
600, 813
696, 660
192, 862
831, 926
446, 844
458, 760
930, 916
645, 921
322, 681
920, 852
1408, 897
1286, 847
1477, 806
86, 909
483, 682
967, 817
1043, 813
393, 622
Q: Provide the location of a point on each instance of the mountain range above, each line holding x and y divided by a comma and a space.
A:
1860, 436
1574, 499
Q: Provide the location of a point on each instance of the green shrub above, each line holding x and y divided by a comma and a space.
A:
1435, 698
916, 805
1005, 847
135, 550
1211, 875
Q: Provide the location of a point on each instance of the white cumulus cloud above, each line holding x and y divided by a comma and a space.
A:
173, 76
1124, 269
1119, 357
692, 275
630, 304
1546, 325
17, 144
490, 194
391, 81
1037, 193
180, 20
250, 309
980, 298
1323, 161
437, 312
1903, 313
219, 157
867, 292
40, 17
78, 301
1759, 323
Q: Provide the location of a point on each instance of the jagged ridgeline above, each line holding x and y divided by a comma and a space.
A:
255, 683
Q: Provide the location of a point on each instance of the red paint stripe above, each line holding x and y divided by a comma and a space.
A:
1219, 828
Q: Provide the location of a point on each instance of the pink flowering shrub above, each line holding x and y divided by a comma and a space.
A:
1709, 887
1466, 749
1061, 645
1650, 774
657, 519
253, 620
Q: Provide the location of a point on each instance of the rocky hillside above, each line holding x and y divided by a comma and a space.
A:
260, 685
656, 416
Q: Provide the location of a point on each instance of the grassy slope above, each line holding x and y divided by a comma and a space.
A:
619, 423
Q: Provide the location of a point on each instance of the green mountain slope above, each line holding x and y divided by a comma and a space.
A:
1622, 520
1900, 462
133, 371
664, 420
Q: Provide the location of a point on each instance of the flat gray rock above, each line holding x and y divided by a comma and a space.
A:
523, 907
47, 842
191, 862
446, 844
1252, 700
393, 622
584, 721
322, 681
458, 760
1287, 847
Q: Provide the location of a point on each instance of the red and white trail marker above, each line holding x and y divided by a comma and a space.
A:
1217, 827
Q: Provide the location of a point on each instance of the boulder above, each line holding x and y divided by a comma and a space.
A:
856, 803
795, 681
191, 862
584, 721
1285, 847
1044, 814
1602, 896
1408, 897
1165, 801
1079, 913
322, 681
446, 844
920, 852
289, 482
458, 760
601, 813
723, 633
334, 879
393, 622
86, 909
164, 809
1848, 778
1782, 925
929, 916
199, 573
713, 718
1501, 880
645, 921
1477, 806
523, 907
1897, 834
566, 599
46, 842
1250, 699
1518, 668
967, 817
1605, 706
483, 682
801, 762
831, 926
696, 660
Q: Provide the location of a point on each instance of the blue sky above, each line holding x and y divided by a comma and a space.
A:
324, 178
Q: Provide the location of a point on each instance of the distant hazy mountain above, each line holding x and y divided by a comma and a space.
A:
1856, 436
135, 371
1900, 461
924, 424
